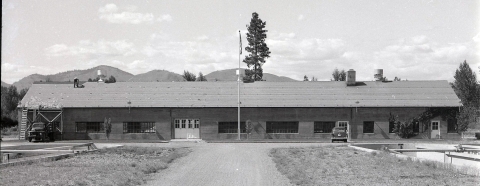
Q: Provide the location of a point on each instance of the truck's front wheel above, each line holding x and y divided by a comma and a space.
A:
29, 139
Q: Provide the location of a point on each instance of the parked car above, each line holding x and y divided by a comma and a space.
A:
339, 134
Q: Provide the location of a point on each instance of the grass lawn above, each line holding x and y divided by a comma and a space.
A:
113, 166
342, 165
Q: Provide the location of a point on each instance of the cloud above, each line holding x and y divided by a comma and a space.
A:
8, 67
108, 8
87, 48
198, 55
420, 39
166, 17
476, 38
202, 38
295, 57
418, 59
287, 47
111, 14
301, 17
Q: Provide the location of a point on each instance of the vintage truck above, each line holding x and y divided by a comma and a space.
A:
339, 134
41, 132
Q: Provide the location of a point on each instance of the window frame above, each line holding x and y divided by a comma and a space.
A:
231, 127
270, 124
391, 127
139, 127
99, 128
318, 127
437, 125
372, 128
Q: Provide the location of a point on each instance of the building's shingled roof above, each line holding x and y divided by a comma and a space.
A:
258, 94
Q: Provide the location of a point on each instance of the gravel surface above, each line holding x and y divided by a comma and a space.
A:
225, 164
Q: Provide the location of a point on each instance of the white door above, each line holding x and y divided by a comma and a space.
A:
193, 131
187, 128
180, 128
435, 126
344, 124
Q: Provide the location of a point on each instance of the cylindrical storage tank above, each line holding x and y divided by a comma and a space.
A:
351, 75
378, 74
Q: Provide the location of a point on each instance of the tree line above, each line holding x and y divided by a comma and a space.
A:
10, 99
111, 79
188, 76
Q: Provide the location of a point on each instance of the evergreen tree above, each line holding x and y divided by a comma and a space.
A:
468, 90
111, 79
305, 78
201, 77
343, 75
466, 86
339, 75
188, 76
257, 48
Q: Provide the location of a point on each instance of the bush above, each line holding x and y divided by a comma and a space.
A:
8, 122
403, 129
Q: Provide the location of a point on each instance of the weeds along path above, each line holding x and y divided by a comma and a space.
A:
224, 164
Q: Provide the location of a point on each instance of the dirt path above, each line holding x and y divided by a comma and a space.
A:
224, 164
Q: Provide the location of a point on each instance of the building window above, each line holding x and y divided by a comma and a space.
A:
391, 126
323, 126
231, 127
435, 125
343, 124
184, 123
139, 127
368, 127
89, 127
197, 123
177, 123
452, 125
282, 126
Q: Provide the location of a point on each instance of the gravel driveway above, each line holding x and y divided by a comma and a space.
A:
225, 164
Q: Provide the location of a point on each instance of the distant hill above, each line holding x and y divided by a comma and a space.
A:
122, 76
5, 84
230, 75
82, 75
157, 75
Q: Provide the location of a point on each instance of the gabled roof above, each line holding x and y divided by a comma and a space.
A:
258, 94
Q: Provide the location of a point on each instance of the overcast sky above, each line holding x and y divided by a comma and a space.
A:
414, 40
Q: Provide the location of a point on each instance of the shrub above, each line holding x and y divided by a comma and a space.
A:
403, 129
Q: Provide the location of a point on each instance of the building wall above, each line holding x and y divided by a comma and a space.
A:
161, 118
209, 118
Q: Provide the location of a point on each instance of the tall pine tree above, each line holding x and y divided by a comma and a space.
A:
257, 47
466, 86
468, 90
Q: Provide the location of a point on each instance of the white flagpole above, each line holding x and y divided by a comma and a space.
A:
238, 83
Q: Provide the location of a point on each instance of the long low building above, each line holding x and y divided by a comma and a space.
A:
208, 110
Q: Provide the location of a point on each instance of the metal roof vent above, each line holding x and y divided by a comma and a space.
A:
351, 75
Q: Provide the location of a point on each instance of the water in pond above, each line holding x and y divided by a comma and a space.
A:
471, 159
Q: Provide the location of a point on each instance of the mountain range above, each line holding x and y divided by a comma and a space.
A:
122, 76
